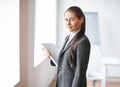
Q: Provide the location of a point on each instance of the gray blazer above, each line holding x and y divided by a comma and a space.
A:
73, 76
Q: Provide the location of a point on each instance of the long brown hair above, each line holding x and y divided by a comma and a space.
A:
78, 12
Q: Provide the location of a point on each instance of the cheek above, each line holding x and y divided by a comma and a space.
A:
66, 25
76, 25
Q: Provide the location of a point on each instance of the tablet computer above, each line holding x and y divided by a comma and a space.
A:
53, 50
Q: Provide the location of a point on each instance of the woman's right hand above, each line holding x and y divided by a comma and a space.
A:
46, 52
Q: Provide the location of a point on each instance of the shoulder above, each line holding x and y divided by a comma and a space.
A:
84, 40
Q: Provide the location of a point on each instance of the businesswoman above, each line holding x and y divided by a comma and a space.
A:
74, 55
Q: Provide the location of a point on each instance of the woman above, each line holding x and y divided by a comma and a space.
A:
74, 55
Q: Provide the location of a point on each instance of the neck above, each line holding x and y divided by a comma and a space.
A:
75, 31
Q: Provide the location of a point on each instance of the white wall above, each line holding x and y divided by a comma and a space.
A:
9, 43
109, 21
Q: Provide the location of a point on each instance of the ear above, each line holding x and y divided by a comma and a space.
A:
81, 20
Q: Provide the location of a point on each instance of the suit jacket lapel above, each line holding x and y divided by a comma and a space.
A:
68, 45
64, 48
67, 38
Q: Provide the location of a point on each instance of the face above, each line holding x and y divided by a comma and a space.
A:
73, 23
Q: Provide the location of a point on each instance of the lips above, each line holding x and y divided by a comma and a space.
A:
69, 27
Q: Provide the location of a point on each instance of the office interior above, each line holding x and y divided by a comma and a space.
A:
25, 24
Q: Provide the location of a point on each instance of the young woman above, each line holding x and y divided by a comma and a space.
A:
74, 55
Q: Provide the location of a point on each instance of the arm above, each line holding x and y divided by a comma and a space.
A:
48, 54
82, 58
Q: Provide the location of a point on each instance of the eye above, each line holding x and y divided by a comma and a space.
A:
72, 19
66, 19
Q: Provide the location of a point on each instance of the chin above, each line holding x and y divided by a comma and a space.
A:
70, 30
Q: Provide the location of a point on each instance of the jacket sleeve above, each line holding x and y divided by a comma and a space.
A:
83, 51
52, 63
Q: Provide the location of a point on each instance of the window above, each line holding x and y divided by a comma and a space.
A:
92, 27
45, 27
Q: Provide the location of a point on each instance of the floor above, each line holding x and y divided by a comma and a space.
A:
109, 84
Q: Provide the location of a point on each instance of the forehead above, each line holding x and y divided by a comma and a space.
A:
70, 14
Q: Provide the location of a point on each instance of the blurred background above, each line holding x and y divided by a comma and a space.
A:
25, 24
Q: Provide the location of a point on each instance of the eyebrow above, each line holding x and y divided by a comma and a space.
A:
70, 17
